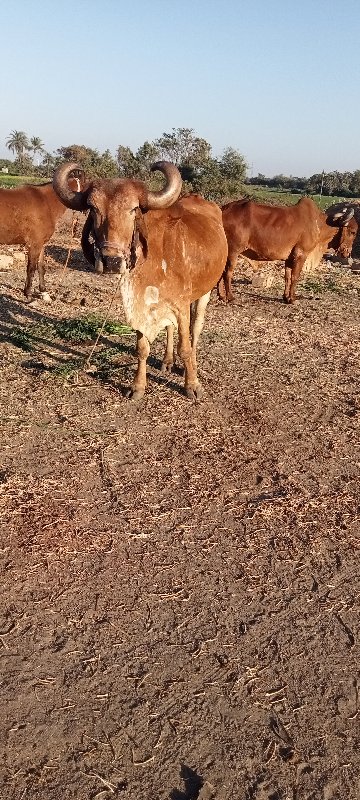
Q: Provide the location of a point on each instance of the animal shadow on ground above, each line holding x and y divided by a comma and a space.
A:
76, 261
267, 299
14, 313
11, 309
193, 784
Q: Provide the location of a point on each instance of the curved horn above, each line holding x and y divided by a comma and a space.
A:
349, 215
341, 217
74, 200
171, 191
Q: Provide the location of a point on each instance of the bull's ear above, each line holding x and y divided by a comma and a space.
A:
141, 235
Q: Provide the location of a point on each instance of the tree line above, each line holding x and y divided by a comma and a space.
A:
215, 178
218, 179
346, 184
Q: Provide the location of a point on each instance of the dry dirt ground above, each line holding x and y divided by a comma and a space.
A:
179, 613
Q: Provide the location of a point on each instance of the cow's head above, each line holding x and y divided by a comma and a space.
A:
117, 209
345, 233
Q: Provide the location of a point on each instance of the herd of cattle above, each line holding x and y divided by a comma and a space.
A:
169, 252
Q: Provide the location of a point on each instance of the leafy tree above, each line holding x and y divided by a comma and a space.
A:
183, 148
106, 166
137, 165
5, 163
233, 165
146, 155
48, 164
200, 172
93, 163
76, 152
215, 181
127, 163
355, 182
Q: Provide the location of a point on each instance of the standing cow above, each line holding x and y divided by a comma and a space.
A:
28, 216
289, 233
170, 253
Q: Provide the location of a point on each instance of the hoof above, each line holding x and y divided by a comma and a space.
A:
166, 366
287, 300
135, 394
194, 394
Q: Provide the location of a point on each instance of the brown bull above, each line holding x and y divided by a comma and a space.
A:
28, 215
170, 253
275, 233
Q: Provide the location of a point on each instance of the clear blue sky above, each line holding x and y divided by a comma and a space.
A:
276, 79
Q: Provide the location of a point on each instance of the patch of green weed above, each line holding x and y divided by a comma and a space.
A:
311, 285
86, 329
319, 287
21, 337
68, 368
332, 286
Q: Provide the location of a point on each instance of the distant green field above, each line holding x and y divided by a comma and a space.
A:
9, 181
264, 195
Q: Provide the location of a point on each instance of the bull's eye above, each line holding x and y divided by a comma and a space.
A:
134, 210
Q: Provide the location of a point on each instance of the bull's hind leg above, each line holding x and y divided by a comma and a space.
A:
30, 272
293, 266
221, 293
137, 390
41, 270
197, 317
169, 355
193, 388
224, 289
36, 262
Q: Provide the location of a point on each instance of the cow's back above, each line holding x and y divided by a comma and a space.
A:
265, 232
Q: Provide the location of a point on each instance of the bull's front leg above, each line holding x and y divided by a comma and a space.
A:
137, 390
293, 267
193, 389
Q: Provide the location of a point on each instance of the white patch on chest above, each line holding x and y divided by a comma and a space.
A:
127, 296
151, 295
164, 266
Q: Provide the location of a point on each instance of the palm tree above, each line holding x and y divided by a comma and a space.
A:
18, 143
37, 146
48, 162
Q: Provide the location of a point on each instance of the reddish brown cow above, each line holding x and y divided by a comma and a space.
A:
169, 253
292, 233
28, 216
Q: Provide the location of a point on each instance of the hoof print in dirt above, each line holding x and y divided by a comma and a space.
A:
195, 787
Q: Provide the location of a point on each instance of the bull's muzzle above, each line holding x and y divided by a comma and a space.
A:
112, 263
